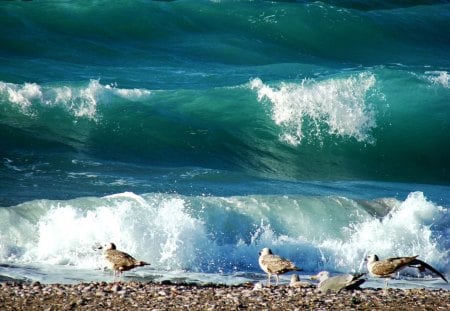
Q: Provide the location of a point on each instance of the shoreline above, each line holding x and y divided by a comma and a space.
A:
157, 296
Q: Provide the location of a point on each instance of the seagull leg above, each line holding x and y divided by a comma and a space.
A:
268, 283
278, 279
386, 285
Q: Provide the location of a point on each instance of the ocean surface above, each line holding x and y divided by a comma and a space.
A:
194, 133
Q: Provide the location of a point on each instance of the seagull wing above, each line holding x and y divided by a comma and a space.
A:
334, 283
340, 282
119, 258
423, 265
276, 264
388, 266
354, 280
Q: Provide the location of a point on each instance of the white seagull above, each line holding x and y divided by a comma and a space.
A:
338, 282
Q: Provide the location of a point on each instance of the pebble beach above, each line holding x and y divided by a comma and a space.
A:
152, 296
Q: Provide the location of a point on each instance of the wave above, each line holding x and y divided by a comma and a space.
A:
224, 234
226, 32
335, 126
383, 4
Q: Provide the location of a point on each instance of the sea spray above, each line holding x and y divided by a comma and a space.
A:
338, 103
207, 234
415, 226
79, 100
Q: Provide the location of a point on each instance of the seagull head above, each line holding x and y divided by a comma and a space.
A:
108, 246
265, 251
371, 258
322, 275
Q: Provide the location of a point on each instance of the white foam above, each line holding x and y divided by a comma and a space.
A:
213, 234
158, 230
79, 101
441, 78
127, 195
21, 95
130, 94
411, 228
339, 103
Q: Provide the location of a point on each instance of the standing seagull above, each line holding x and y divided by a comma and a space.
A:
119, 261
385, 268
338, 282
273, 264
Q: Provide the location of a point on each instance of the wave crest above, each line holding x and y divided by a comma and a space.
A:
336, 106
79, 101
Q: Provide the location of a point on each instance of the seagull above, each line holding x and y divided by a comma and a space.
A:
119, 261
385, 268
338, 282
295, 282
273, 264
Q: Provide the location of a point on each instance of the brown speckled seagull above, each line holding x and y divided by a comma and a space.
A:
119, 261
273, 264
385, 268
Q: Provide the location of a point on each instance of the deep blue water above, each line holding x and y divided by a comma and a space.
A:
194, 133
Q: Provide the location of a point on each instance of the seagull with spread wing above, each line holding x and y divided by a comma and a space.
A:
385, 268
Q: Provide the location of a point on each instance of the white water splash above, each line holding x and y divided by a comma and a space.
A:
159, 229
21, 95
217, 235
79, 101
441, 78
339, 103
413, 227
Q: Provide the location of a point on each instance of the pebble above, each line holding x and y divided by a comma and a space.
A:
151, 296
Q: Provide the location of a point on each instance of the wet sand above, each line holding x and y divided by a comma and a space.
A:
151, 296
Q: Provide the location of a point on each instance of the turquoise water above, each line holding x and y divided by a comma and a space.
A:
194, 133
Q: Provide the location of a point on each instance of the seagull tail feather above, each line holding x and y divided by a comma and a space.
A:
355, 284
358, 275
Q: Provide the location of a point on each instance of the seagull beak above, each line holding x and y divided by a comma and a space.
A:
97, 246
313, 277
